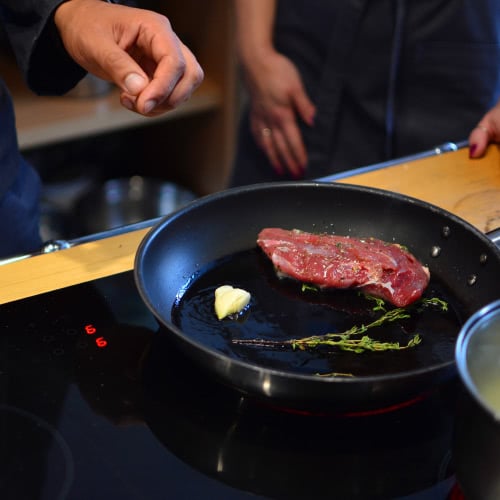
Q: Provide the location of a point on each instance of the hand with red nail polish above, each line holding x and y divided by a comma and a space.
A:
485, 132
336, 86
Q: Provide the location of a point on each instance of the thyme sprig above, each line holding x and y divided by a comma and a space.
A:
365, 343
345, 340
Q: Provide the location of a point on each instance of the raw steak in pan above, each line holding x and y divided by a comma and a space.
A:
378, 268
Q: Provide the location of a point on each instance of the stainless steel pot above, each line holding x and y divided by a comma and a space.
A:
477, 433
123, 201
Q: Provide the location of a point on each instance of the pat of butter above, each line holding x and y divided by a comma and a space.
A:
229, 300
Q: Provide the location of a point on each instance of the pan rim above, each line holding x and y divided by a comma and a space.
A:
236, 372
200, 202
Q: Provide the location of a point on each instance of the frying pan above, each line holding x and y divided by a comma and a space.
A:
190, 246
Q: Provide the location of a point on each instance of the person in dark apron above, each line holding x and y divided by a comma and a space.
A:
56, 42
338, 85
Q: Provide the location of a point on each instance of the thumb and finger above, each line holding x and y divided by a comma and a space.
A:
127, 75
156, 73
141, 92
176, 74
133, 82
485, 132
479, 139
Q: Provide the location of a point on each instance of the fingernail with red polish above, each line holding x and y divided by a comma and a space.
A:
472, 150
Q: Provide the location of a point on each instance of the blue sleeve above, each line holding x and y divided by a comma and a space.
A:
47, 67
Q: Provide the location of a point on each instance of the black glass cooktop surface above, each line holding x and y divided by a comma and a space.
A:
96, 402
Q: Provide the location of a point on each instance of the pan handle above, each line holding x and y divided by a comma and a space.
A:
56, 245
494, 236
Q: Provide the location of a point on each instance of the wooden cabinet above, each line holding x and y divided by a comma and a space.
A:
193, 143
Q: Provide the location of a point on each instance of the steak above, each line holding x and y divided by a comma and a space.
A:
378, 268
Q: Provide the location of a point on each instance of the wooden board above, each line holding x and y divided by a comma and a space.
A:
468, 188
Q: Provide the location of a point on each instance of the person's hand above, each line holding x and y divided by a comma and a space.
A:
485, 132
134, 48
277, 100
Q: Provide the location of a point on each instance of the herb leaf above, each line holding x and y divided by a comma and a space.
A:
345, 341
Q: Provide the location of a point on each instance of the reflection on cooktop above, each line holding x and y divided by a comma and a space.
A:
96, 402
278, 453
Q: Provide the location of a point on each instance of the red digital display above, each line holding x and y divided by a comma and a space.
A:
99, 341
90, 329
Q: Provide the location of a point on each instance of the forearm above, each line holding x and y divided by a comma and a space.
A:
254, 28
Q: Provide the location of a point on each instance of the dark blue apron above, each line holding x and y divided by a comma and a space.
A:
19, 214
19, 190
389, 78
47, 69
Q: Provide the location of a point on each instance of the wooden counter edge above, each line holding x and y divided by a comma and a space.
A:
79, 264
105, 257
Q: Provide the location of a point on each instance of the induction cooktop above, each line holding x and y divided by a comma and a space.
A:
97, 402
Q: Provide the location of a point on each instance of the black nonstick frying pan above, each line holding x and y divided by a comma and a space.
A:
212, 241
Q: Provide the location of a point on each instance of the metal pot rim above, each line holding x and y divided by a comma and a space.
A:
470, 328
